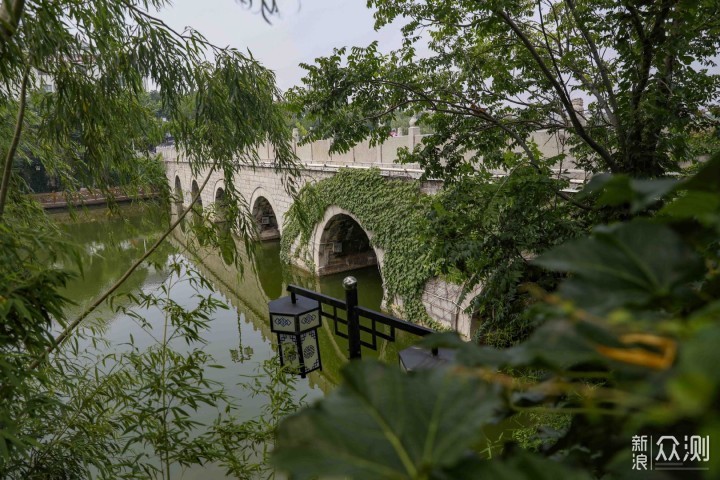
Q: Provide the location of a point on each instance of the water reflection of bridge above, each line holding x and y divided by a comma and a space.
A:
249, 292
263, 278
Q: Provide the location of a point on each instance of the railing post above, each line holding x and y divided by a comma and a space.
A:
351, 300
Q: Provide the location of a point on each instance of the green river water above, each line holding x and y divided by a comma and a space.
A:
239, 338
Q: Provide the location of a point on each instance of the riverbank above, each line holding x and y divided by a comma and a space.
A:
86, 197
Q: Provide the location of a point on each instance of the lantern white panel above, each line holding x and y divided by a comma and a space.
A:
310, 320
288, 351
281, 323
310, 350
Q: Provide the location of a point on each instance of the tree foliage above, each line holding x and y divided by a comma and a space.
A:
72, 76
497, 83
622, 344
486, 233
498, 71
627, 346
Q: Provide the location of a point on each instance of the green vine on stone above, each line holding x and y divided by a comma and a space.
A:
393, 210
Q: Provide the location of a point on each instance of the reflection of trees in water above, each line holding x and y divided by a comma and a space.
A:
108, 245
269, 268
241, 354
226, 242
260, 260
253, 280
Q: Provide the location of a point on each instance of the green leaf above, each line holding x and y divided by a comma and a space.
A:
383, 424
555, 345
700, 355
707, 179
522, 465
693, 204
631, 264
615, 190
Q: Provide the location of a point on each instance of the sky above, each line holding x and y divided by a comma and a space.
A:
301, 32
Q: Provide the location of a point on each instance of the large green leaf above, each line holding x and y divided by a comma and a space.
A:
694, 204
383, 424
559, 345
707, 179
630, 264
521, 466
700, 196
639, 194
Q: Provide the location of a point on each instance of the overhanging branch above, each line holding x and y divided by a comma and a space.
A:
565, 100
7, 167
72, 326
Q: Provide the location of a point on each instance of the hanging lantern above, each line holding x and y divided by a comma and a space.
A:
295, 320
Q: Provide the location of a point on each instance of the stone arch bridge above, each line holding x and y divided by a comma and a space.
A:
339, 241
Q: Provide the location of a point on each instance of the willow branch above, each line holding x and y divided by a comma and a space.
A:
7, 168
10, 14
101, 299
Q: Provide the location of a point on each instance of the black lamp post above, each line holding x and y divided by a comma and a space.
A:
351, 301
295, 321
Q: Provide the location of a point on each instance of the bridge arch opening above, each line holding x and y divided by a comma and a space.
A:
265, 220
344, 246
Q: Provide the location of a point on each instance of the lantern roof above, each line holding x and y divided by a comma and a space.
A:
285, 306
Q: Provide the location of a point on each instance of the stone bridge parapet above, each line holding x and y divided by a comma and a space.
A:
333, 250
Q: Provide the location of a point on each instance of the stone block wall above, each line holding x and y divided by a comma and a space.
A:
442, 302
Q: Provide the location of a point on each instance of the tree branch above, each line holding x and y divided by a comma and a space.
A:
602, 68
388, 111
72, 326
647, 55
7, 168
543, 30
463, 110
567, 104
636, 21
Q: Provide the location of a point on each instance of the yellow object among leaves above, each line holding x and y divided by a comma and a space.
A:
660, 359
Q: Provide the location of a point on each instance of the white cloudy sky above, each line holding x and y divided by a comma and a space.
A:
304, 30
